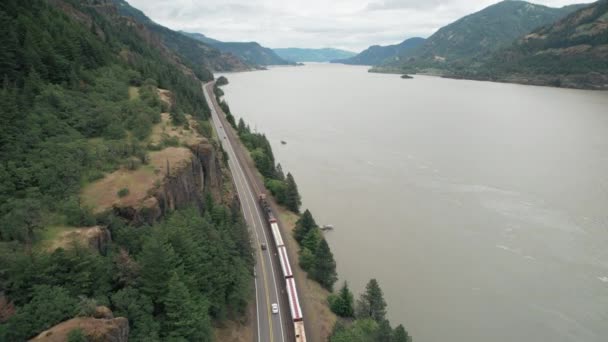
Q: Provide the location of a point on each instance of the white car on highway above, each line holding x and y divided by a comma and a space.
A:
275, 308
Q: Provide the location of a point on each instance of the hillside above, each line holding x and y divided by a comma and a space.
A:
573, 52
313, 55
475, 36
378, 54
194, 53
111, 193
251, 53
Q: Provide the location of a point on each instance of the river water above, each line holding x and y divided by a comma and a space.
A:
481, 208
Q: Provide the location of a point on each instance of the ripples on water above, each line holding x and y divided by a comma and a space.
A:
480, 207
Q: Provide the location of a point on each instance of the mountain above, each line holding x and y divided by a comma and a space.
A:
377, 54
573, 52
251, 52
477, 35
193, 52
313, 55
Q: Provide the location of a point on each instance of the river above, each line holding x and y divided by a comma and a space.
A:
481, 208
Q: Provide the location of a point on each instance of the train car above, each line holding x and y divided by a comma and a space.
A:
294, 301
290, 284
299, 330
274, 226
284, 259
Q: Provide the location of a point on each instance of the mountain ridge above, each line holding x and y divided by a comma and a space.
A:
251, 53
377, 54
476, 35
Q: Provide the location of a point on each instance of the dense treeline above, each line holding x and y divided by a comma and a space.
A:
283, 187
65, 113
315, 256
170, 280
366, 320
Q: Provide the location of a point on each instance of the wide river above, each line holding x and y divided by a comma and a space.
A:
481, 208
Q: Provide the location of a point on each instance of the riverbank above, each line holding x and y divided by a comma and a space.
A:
591, 81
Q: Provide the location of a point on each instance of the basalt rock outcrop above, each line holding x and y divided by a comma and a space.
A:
183, 185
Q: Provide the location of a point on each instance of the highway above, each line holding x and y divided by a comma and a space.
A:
269, 283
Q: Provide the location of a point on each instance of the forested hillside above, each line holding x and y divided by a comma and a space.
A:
79, 100
377, 54
195, 53
251, 53
572, 52
475, 36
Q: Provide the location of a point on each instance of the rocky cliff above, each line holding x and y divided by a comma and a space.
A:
183, 185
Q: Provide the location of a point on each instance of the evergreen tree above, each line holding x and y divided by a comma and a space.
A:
158, 261
312, 239
186, 317
384, 332
342, 303
371, 304
324, 269
304, 224
292, 196
241, 126
400, 334
279, 172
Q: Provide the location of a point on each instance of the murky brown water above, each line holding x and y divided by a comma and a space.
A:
481, 208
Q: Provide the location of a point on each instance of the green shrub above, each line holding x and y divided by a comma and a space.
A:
123, 192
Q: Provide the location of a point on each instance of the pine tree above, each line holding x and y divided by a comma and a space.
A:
186, 318
384, 332
312, 239
324, 269
371, 304
304, 224
347, 299
400, 334
342, 303
158, 261
292, 196
279, 172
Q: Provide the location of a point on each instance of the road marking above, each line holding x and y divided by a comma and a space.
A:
257, 212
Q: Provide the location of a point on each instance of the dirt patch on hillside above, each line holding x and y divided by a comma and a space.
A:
165, 129
141, 183
95, 237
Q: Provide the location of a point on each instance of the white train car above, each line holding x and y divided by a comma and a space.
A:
284, 260
274, 226
294, 301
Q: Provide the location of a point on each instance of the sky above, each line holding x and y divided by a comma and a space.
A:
346, 24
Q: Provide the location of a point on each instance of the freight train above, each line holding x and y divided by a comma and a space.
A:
290, 284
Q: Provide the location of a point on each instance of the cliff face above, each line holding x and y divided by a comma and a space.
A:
183, 185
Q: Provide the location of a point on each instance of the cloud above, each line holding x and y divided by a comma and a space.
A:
347, 24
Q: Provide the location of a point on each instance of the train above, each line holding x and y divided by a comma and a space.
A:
292, 293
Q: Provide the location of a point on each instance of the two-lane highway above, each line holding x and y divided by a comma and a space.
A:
268, 282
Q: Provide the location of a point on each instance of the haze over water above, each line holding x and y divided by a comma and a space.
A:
481, 208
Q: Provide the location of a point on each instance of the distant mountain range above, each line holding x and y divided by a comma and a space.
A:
377, 54
251, 53
313, 55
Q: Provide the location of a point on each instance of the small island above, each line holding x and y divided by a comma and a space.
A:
407, 77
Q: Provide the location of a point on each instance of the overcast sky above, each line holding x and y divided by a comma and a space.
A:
346, 24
